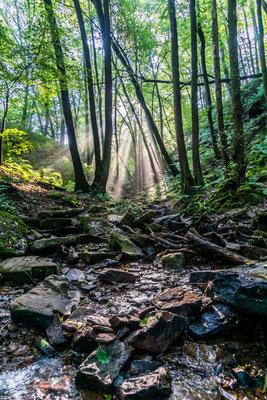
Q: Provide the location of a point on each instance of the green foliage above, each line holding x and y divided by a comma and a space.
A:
17, 142
102, 356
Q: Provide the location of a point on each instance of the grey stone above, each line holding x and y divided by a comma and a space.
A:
123, 244
75, 275
26, 269
173, 261
38, 307
93, 257
44, 244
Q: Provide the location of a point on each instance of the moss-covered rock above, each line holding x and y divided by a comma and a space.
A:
173, 261
123, 244
97, 226
13, 235
155, 227
259, 239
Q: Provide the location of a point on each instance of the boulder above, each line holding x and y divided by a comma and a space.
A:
93, 257
13, 235
173, 261
99, 375
182, 300
26, 269
242, 287
159, 330
152, 386
38, 307
123, 244
219, 319
118, 276
51, 243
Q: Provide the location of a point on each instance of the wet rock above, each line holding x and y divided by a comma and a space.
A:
44, 244
63, 213
182, 300
173, 261
26, 269
75, 275
152, 386
243, 287
57, 225
13, 235
44, 346
159, 331
219, 319
201, 357
127, 321
123, 244
95, 375
37, 307
93, 257
118, 276
55, 333
143, 366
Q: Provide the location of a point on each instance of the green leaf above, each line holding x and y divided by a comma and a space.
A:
102, 356
44, 343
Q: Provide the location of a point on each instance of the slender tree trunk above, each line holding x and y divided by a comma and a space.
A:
25, 106
207, 92
249, 43
80, 180
87, 58
86, 120
3, 126
256, 35
264, 5
238, 147
218, 86
261, 48
151, 123
225, 68
46, 120
186, 177
194, 97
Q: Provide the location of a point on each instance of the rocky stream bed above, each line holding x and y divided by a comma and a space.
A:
96, 305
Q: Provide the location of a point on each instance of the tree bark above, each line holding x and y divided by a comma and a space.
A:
207, 92
261, 48
238, 145
218, 87
80, 180
186, 177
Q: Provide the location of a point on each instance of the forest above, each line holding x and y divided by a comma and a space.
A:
133, 218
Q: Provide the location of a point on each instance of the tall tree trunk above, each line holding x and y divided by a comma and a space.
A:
218, 86
256, 35
25, 106
207, 92
224, 65
86, 120
80, 180
194, 97
238, 147
3, 126
186, 177
264, 5
249, 43
151, 123
261, 48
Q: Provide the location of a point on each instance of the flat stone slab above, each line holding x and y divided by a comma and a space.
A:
96, 375
43, 244
123, 244
242, 287
26, 269
13, 235
66, 212
151, 386
39, 306
182, 300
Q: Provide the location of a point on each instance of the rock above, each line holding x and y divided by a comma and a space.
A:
72, 257
145, 217
219, 319
127, 321
81, 313
243, 377
55, 333
118, 276
141, 240
259, 239
152, 386
182, 300
44, 244
104, 337
123, 244
75, 275
243, 287
93, 257
37, 307
57, 225
21, 351
260, 221
13, 235
201, 357
26, 269
143, 366
95, 375
155, 227
159, 331
127, 219
97, 226
44, 346
173, 261
97, 209
84, 341
63, 213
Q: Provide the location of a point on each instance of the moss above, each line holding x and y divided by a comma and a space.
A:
13, 234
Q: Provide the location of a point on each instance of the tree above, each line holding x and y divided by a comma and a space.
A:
80, 180
261, 49
186, 177
239, 169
